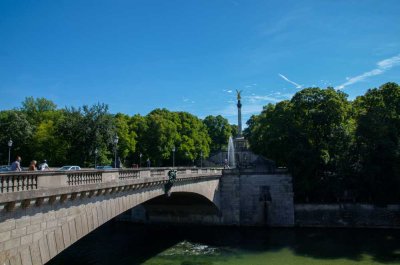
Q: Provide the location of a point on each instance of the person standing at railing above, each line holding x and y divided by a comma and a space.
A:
16, 165
32, 166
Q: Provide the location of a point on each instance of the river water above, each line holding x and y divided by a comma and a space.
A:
120, 243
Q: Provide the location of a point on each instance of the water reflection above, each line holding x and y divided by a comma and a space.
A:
126, 243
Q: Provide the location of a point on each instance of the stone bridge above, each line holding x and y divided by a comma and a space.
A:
42, 213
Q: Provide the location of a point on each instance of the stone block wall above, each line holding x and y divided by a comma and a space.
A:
36, 235
230, 198
256, 198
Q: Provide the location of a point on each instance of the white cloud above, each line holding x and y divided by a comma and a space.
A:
250, 85
389, 63
255, 98
383, 66
229, 91
187, 100
290, 81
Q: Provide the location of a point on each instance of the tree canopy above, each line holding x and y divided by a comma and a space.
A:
219, 130
336, 149
86, 134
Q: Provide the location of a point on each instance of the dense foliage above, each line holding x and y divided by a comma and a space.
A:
336, 149
82, 135
219, 130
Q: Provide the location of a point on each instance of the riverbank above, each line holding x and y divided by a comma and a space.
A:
347, 215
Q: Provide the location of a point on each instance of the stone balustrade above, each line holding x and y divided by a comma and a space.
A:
27, 181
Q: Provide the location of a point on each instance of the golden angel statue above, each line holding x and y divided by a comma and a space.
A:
238, 94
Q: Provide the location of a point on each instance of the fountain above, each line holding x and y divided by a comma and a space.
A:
231, 153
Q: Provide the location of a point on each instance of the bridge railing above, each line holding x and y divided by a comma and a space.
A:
27, 181
17, 182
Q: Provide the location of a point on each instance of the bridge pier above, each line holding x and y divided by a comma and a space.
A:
257, 198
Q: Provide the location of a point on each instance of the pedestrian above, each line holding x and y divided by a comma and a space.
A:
226, 165
119, 163
43, 166
16, 165
32, 166
148, 162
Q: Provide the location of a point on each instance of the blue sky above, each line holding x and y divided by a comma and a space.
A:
192, 55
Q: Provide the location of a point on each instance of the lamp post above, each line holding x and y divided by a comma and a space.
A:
201, 159
115, 150
10, 143
95, 157
173, 156
140, 159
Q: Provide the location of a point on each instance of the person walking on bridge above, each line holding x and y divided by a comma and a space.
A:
16, 165
43, 166
32, 166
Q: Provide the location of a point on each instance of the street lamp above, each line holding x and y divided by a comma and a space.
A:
115, 150
201, 159
140, 159
10, 143
173, 156
95, 157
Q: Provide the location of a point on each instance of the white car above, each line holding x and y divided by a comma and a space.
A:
69, 168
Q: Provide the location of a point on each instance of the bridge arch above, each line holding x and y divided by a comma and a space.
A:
178, 208
42, 231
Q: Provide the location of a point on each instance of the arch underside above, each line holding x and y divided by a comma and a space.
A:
178, 208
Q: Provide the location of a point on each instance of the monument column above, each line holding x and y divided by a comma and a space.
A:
239, 106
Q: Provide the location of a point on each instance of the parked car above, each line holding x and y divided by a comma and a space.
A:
5, 168
104, 167
69, 168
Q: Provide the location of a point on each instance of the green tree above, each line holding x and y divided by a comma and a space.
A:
219, 131
161, 130
162, 134
138, 125
127, 138
35, 109
46, 142
194, 138
14, 125
377, 153
85, 130
310, 134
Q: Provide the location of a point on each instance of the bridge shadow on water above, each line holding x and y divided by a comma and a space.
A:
127, 243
